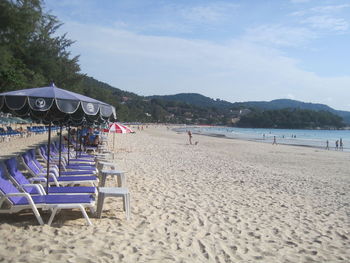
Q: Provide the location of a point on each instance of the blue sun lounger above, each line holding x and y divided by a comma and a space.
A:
17, 201
39, 176
35, 167
71, 166
23, 183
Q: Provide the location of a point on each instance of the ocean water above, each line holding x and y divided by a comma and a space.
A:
311, 138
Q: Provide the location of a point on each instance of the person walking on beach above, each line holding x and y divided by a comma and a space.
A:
190, 136
327, 145
341, 146
274, 141
336, 145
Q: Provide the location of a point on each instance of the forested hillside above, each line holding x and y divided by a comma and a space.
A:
200, 100
196, 99
291, 119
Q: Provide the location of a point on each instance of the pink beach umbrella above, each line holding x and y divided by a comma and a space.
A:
116, 127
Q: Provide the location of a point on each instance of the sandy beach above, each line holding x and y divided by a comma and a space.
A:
222, 200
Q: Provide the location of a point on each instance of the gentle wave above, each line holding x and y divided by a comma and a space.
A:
310, 138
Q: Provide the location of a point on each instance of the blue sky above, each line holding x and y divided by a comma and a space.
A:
234, 50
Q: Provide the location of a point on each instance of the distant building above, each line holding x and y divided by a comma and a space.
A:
188, 114
243, 112
170, 116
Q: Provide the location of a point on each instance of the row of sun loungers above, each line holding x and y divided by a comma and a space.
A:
9, 133
73, 184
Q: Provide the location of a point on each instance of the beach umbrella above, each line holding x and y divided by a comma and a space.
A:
50, 104
119, 128
116, 127
54, 105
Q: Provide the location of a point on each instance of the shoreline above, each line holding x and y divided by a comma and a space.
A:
269, 140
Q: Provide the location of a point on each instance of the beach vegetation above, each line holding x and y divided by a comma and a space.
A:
291, 119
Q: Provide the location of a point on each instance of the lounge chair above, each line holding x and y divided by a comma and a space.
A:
78, 166
23, 183
35, 167
12, 132
40, 176
83, 159
72, 154
13, 201
54, 151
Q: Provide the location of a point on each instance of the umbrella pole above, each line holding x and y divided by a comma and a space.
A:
48, 160
68, 142
113, 141
81, 140
60, 152
76, 145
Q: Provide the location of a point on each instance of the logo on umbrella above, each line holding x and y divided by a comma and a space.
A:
90, 107
40, 103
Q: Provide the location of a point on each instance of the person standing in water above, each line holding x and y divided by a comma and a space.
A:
341, 146
327, 145
336, 145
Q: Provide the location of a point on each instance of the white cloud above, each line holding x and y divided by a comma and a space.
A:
215, 12
235, 71
279, 35
299, 13
299, 1
327, 22
329, 8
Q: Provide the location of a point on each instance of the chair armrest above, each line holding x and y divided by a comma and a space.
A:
54, 179
18, 194
38, 187
37, 179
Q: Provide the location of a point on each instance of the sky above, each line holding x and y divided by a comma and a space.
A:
234, 50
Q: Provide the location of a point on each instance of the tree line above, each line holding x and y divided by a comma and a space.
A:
291, 119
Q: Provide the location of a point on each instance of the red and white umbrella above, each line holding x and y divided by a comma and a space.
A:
116, 127
119, 128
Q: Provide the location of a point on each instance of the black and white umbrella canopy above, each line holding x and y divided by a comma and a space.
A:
52, 104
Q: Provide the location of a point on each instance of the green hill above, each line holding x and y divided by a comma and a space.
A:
195, 99
203, 101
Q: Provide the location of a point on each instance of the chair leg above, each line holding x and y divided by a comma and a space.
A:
100, 202
37, 215
124, 202
82, 209
54, 211
128, 208
117, 179
34, 209
103, 181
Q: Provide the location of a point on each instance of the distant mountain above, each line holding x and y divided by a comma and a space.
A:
294, 104
203, 101
195, 99
282, 104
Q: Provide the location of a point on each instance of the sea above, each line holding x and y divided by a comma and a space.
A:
308, 138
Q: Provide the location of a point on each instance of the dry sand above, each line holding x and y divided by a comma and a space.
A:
219, 201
